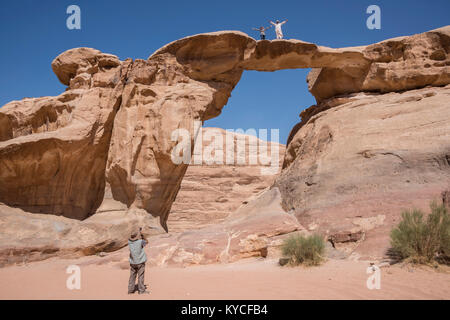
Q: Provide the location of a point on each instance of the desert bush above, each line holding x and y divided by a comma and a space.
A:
307, 250
421, 240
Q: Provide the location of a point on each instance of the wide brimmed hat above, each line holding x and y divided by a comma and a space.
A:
134, 235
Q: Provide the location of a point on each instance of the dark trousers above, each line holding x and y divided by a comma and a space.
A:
263, 37
136, 269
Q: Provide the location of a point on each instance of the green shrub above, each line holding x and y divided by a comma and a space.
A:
420, 240
304, 250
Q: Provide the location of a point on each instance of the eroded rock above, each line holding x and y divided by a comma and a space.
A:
53, 150
105, 144
26, 237
210, 192
397, 64
366, 156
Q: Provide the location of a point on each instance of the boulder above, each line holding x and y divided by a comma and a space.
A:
26, 237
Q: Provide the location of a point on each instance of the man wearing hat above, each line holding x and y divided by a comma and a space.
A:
136, 243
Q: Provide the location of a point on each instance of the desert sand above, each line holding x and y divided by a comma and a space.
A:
257, 278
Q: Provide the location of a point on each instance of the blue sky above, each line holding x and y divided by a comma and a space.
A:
34, 32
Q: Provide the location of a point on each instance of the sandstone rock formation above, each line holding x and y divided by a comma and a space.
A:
396, 64
366, 155
253, 230
106, 143
210, 192
26, 237
256, 229
53, 150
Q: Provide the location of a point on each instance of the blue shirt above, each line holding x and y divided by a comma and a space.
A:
137, 253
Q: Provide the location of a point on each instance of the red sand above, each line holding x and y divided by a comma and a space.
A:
250, 279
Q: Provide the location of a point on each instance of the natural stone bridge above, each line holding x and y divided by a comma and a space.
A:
105, 143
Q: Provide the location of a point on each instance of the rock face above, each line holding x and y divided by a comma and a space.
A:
210, 192
53, 150
27, 237
366, 155
108, 142
254, 230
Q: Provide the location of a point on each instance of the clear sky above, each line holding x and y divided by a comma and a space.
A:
34, 32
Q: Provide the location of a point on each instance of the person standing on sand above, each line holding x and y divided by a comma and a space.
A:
278, 30
262, 32
136, 244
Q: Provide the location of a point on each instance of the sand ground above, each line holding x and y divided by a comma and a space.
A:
247, 279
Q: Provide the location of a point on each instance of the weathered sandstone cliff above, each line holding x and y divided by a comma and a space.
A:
368, 156
210, 192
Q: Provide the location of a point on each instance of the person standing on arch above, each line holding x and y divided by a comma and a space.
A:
278, 30
262, 32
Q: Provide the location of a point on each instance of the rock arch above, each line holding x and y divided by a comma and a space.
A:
105, 143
